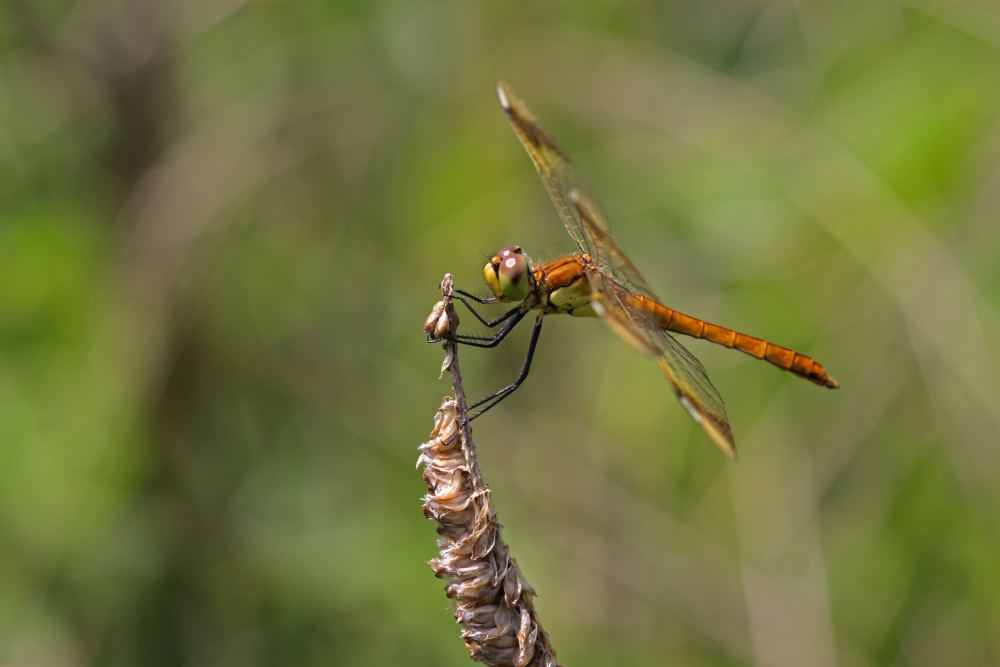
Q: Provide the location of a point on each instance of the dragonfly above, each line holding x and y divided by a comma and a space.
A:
599, 280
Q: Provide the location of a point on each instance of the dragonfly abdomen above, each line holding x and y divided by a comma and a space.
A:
782, 357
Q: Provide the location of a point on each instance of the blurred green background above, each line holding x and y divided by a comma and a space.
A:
222, 224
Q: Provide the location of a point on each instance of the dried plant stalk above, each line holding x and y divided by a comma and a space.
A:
491, 597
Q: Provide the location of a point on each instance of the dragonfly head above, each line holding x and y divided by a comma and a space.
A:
508, 274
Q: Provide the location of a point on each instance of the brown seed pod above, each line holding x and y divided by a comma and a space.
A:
432, 321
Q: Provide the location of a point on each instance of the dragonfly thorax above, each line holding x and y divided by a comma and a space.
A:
508, 274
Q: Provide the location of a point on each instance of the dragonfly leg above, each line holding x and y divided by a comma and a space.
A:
494, 340
477, 299
491, 401
489, 323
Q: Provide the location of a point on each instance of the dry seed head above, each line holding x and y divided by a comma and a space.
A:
492, 600
440, 321
430, 324
443, 325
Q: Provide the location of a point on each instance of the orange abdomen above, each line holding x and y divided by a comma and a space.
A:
782, 357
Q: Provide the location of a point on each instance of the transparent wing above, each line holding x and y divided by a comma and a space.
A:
550, 162
609, 255
579, 210
634, 324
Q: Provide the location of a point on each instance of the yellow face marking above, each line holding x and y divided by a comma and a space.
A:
493, 281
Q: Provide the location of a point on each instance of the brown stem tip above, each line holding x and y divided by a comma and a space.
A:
492, 600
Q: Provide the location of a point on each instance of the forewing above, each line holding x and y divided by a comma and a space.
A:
609, 255
637, 327
571, 195
550, 162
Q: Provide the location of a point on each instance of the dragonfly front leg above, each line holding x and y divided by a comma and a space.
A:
431, 338
477, 299
490, 323
513, 317
494, 399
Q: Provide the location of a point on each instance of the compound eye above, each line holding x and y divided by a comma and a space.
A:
513, 265
509, 251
